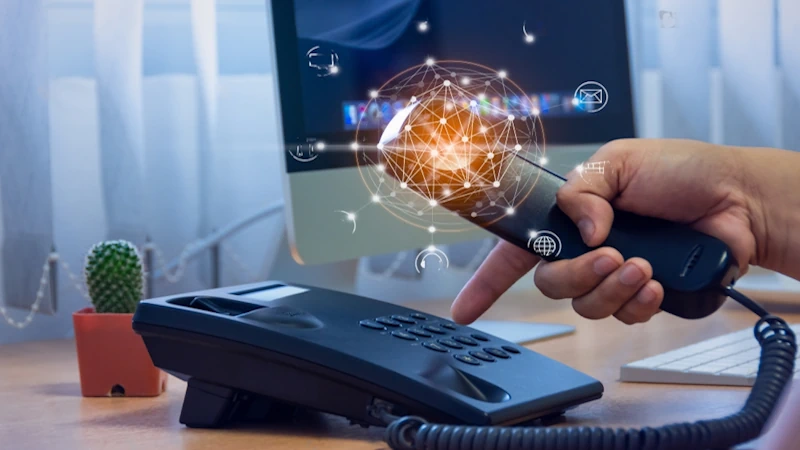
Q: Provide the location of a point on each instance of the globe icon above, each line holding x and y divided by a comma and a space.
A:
544, 245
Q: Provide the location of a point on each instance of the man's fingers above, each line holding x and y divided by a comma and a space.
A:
572, 278
615, 290
504, 266
643, 306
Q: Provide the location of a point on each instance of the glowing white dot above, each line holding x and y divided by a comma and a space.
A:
517, 147
496, 184
413, 98
511, 117
482, 96
502, 74
465, 80
375, 198
492, 203
532, 233
579, 168
432, 229
334, 70
351, 217
448, 106
536, 111
490, 155
467, 184
419, 213
543, 161
473, 103
442, 121
373, 94
431, 248
575, 101
408, 127
380, 146
432, 202
403, 185
447, 192
474, 214
446, 82
434, 153
354, 145
487, 83
483, 129
464, 139
529, 38
422, 26
429, 61
381, 167
509, 211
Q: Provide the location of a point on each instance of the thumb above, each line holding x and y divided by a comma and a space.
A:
586, 196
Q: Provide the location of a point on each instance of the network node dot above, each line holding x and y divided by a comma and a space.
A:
380, 146
429, 61
376, 199
511, 117
490, 155
465, 80
351, 217
532, 234
442, 121
408, 127
432, 202
381, 167
447, 82
434, 153
467, 184
474, 214
432, 229
373, 94
447, 192
509, 211
502, 74
431, 248
529, 38
464, 139
483, 129
543, 161
517, 147
413, 99
487, 83
403, 185
473, 103
496, 184
575, 101
354, 146
321, 146
536, 111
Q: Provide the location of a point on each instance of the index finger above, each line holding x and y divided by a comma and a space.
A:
504, 266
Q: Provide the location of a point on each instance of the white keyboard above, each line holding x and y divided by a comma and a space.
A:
728, 360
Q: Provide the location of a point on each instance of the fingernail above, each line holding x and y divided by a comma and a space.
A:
631, 275
646, 296
604, 266
587, 229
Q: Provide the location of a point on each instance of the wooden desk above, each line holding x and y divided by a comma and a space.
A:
41, 405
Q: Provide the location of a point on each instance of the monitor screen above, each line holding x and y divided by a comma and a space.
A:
332, 55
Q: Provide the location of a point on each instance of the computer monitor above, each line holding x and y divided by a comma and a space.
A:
331, 55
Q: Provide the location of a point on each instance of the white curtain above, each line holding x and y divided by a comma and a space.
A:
131, 119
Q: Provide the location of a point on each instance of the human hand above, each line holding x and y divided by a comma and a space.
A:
678, 180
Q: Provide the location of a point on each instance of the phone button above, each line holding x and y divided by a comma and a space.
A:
466, 340
435, 346
480, 337
450, 343
434, 329
372, 324
419, 316
497, 352
404, 335
468, 359
418, 332
482, 355
387, 321
449, 326
404, 319
511, 349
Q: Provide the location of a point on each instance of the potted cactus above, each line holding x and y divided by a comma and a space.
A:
112, 358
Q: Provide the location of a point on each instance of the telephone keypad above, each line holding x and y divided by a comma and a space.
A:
407, 328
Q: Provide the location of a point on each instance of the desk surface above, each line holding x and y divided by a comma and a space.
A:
41, 405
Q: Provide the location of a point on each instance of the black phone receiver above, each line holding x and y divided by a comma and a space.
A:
693, 267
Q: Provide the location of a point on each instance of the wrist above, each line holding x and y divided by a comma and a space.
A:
769, 181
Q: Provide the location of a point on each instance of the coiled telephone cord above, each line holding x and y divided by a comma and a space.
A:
775, 371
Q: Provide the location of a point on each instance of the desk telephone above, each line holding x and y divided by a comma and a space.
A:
434, 384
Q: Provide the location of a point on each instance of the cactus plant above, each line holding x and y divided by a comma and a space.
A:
114, 275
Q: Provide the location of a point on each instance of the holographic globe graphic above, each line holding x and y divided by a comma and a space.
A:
455, 150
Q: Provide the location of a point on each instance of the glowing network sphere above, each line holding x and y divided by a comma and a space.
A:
457, 142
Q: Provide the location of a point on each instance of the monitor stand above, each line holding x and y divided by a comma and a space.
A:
522, 332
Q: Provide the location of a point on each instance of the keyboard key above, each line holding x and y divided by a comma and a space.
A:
372, 324
468, 359
436, 347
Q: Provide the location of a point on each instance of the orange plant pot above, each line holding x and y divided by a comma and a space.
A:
112, 358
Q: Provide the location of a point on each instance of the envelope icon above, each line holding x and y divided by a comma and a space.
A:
590, 96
